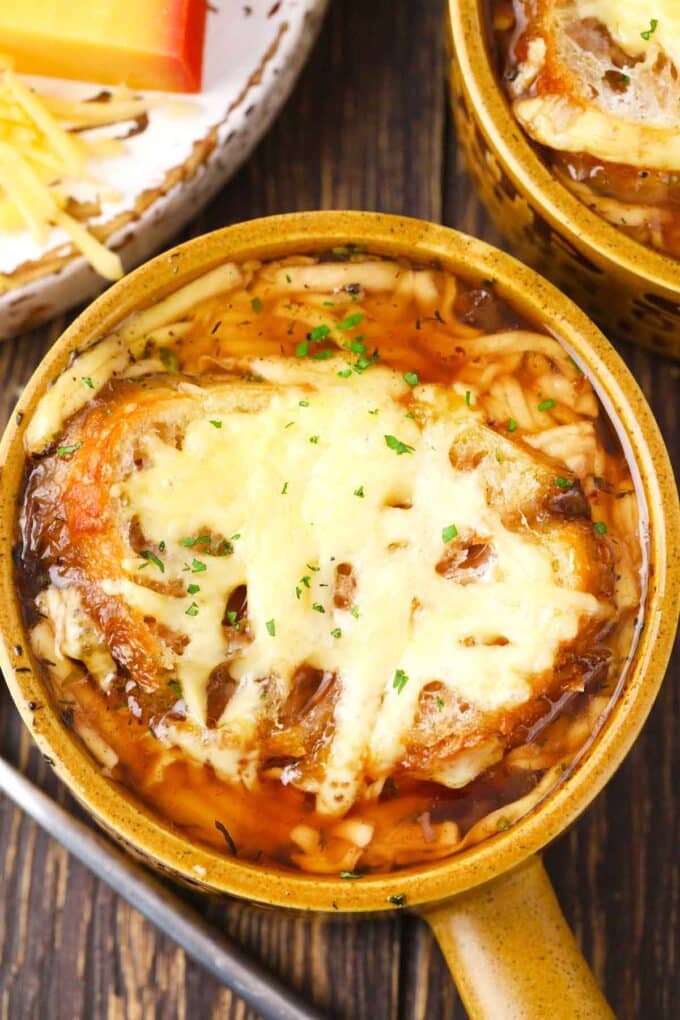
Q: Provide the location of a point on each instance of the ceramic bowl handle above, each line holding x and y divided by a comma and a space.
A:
511, 953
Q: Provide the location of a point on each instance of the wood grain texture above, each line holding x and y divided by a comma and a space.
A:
367, 127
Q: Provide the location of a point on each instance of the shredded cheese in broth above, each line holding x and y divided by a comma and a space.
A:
332, 547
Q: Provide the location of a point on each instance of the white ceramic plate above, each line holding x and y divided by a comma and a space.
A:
191, 145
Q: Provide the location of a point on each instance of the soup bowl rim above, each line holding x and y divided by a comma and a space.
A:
134, 825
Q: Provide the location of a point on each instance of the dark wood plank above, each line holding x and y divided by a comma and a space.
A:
364, 129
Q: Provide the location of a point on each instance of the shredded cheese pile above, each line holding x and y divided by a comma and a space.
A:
43, 151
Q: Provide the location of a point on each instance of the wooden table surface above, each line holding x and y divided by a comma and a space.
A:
367, 127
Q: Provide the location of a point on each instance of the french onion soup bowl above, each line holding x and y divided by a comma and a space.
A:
567, 114
335, 577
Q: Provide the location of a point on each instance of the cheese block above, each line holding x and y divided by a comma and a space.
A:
157, 44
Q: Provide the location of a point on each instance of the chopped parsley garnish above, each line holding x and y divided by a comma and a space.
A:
288, 424
350, 874
197, 566
546, 405
271, 628
649, 32
216, 423
336, 633
410, 415
193, 589
623, 79
88, 382
397, 445
328, 304
398, 900
563, 483
310, 566
345, 373
351, 321
512, 425
298, 592
284, 490
411, 378
318, 333
151, 557
256, 305
376, 410
225, 548
317, 607
192, 610
355, 612
306, 580
288, 278
364, 362
189, 542
600, 527
176, 687
304, 403
302, 349
439, 702
323, 355
360, 492
468, 397
356, 346
64, 451
314, 439
400, 680
169, 359
232, 617
449, 533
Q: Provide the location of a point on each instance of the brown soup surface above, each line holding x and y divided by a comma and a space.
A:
333, 562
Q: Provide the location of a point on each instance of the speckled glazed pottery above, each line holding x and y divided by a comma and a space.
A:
632, 291
491, 906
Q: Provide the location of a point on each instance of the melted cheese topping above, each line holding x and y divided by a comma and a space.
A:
296, 472
626, 20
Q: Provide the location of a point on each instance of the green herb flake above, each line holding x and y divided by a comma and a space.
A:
345, 373
66, 451
232, 618
449, 533
306, 580
563, 483
192, 610
328, 304
600, 527
351, 321
169, 359
649, 32
503, 823
288, 278
468, 398
193, 589
225, 548
201, 540
323, 355
376, 410
350, 874
216, 423
411, 415
271, 628
397, 445
284, 490
398, 900
411, 378
88, 381
355, 612
310, 566
400, 680
256, 305
302, 349
317, 607
336, 633
150, 557
314, 439
198, 567
623, 79
298, 592
304, 403
512, 425
439, 702
318, 333
176, 687
360, 492
546, 405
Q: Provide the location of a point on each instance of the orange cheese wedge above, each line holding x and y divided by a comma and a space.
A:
146, 44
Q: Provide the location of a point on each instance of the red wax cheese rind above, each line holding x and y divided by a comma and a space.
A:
146, 44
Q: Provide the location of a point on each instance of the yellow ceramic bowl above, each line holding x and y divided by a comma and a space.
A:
492, 903
632, 291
